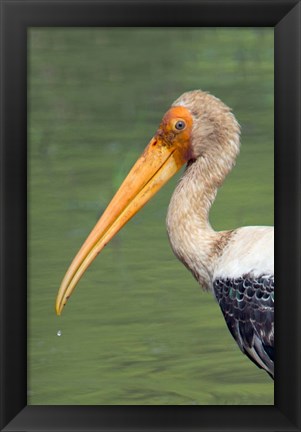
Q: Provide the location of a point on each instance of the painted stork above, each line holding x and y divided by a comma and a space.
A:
236, 265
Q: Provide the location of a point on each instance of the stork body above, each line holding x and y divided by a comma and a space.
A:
237, 265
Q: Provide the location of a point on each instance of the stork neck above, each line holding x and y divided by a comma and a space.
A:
196, 191
191, 236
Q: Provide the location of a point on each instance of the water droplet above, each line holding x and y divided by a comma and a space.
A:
59, 333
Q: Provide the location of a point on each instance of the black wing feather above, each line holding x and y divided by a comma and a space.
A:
247, 304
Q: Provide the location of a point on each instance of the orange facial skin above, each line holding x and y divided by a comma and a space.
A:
165, 154
167, 129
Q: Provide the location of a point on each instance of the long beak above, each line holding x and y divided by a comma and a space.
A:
158, 163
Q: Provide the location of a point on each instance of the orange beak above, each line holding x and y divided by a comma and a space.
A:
158, 163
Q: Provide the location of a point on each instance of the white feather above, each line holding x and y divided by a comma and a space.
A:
250, 251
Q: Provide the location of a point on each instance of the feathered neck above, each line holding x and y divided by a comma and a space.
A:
192, 238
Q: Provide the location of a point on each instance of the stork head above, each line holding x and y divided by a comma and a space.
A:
214, 130
197, 125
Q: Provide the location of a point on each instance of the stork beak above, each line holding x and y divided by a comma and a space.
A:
158, 163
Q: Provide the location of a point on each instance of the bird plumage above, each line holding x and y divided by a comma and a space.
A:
247, 303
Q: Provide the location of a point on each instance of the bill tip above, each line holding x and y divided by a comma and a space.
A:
58, 309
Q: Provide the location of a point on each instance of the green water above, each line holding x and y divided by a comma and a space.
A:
138, 329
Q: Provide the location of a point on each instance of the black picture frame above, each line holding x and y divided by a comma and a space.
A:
16, 18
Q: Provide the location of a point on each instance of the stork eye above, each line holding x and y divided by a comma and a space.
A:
180, 125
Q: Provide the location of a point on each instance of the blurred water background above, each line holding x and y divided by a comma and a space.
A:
138, 329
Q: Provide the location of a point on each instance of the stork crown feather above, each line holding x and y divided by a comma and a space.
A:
215, 131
